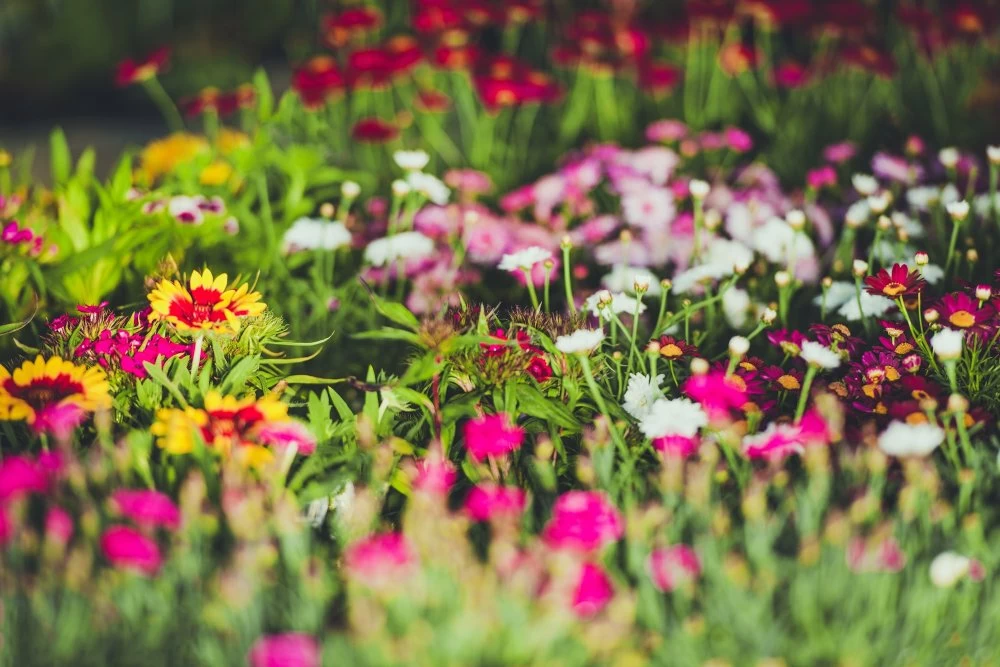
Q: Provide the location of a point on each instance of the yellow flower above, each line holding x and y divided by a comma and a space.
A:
163, 156
175, 429
206, 303
47, 393
231, 140
217, 173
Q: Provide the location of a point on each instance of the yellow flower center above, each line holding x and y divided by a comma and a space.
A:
916, 418
904, 348
962, 318
894, 289
671, 351
789, 382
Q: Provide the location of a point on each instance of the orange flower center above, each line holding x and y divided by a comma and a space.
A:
916, 418
920, 394
789, 382
962, 318
671, 351
904, 348
894, 289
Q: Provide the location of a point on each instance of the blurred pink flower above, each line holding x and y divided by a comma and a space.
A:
583, 521
839, 153
593, 591
676, 446
650, 208
434, 475
673, 566
781, 440
822, 177
874, 555
58, 525
468, 181
489, 501
286, 433
379, 559
492, 435
594, 230
147, 508
519, 199
712, 141
127, 548
487, 239
6, 529
21, 476
666, 130
291, 649
717, 393
738, 140
58, 420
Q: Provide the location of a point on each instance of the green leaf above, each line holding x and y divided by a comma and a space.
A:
393, 311
312, 380
388, 333
532, 402
343, 409
121, 180
156, 373
241, 371
60, 157
265, 96
17, 326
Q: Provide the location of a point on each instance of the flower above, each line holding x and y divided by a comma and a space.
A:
872, 305
948, 568
147, 508
902, 439
129, 549
624, 278
492, 435
379, 559
430, 186
52, 395
58, 526
405, 245
583, 521
581, 341
641, 393
292, 649
675, 416
593, 591
434, 475
604, 303
778, 441
374, 130
673, 566
819, 356
898, 282
961, 311
316, 81
411, 160
489, 501
163, 156
206, 303
880, 554
717, 393
137, 71
947, 344
21, 476
316, 234
524, 259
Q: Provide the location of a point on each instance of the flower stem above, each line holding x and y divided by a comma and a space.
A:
800, 409
196, 357
567, 280
166, 105
531, 288
595, 391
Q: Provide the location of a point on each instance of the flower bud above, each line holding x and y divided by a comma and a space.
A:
566, 243
782, 279
984, 292
912, 363
699, 189
884, 223
878, 203
958, 210
326, 210
640, 285
350, 190
400, 188
827, 282
738, 346
699, 366
931, 315
712, 220
921, 258
948, 157
796, 219
993, 155
972, 255
865, 184
859, 267
768, 316
958, 403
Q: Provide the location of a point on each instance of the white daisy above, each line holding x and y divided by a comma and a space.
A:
405, 245
581, 341
902, 439
623, 279
316, 234
676, 416
819, 355
736, 306
604, 303
839, 293
932, 273
411, 160
524, 259
947, 344
641, 393
872, 305
429, 186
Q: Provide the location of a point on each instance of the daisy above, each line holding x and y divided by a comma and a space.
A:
524, 259
947, 344
405, 245
641, 393
623, 279
581, 341
819, 355
316, 234
677, 416
871, 306
904, 440
603, 303
52, 395
206, 303
411, 160
429, 186
900, 281
961, 311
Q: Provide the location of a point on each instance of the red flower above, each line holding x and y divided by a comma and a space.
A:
436, 17
791, 74
316, 81
133, 71
778, 12
340, 28
374, 130
961, 311
900, 281
432, 101
404, 54
869, 59
735, 59
129, 549
456, 57
675, 349
210, 100
658, 78
368, 68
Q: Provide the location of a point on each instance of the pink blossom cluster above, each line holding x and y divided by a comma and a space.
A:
129, 351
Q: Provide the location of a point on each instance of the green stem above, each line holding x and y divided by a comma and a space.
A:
531, 288
800, 409
165, 104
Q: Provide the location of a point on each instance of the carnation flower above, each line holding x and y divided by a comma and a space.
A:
59, 526
147, 508
492, 435
404, 245
379, 559
291, 649
902, 439
316, 234
593, 591
21, 476
581, 341
641, 393
672, 567
129, 549
717, 393
583, 521
819, 356
676, 416
524, 259
489, 501
779, 441
676, 446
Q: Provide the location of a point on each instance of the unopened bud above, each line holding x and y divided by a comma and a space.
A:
699, 366
698, 188
984, 292
768, 316
326, 210
782, 279
948, 157
884, 223
796, 219
921, 258
931, 315
859, 267
350, 190
958, 210
739, 346
958, 403
993, 155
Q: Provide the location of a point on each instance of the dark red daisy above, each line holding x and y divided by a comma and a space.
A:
316, 81
894, 283
374, 131
961, 311
136, 71
675, 349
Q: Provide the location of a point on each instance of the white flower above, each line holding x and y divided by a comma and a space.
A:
902, 439
958, 210
728, 253
839, 293
677, 416
982, 204
948, 157
316, 234
872, 305
623, 279
185, 209
739, 345
411, 160
616, 303
819, 355
350, 190
400, 188
641, 393
865, 184
947, 344
429, 186
948, 568
524, 259
736, 307
857, 213
316, 511
405, 245
685, 281
581, 341
699, 189
993, 154
780, 244
932, 273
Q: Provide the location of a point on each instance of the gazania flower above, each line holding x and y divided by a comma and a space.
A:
960, 311
316, 81
900, 281
374, 131
52, 395
136, 71
206, 303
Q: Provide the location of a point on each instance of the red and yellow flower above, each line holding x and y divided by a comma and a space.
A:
206, 303
900, 281
52, 395
960, 311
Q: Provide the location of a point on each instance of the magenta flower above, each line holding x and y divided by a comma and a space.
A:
59, 420
291, 649
14, 234
874, 555
666, 130
6, 529
583, 521
673, 566
738, 140
593, 591
676, 446
839, 153
129, 549
58, 525
779, 441
434, 476
822, 177
492, 435
21, 476
717, 393
147, 508
489, 501
468, 181
287, 433
379, 559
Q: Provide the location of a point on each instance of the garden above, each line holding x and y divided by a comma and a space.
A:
516, 332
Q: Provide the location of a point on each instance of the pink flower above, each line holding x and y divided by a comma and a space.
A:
895, 168
779, 441
58, 525
21, 476
593, 591
712, 141
874, 555
147, 508
379, 559
649, 208
6, 529
468, 181
821, 177
129, 549
492, 435
583, 521
839, 153
717, 393
434, 476
519, 199
291, 649
13, 234
287, 433
59, 420
666, 130
673, 566
487, 239
489, 501
738, 140
676, 446
594, 230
